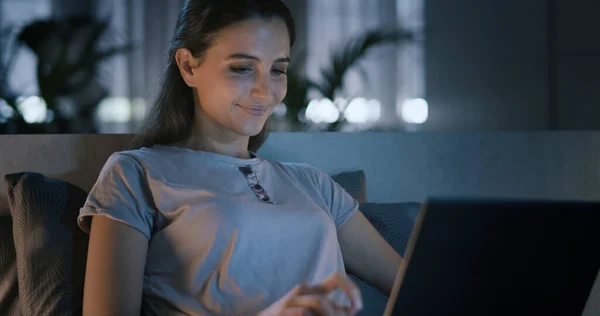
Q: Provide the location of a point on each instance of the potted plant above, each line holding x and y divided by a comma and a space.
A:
68, 55
343, 59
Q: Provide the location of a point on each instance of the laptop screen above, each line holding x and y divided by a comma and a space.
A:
482, 257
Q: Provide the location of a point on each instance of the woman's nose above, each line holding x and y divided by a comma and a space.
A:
262, 89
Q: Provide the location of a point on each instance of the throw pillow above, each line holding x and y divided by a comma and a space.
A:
9, 290
374, 301
354, 183
394, 221
51, 250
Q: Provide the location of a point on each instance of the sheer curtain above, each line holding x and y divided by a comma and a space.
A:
148, 24
130, 78
395, 72
411, 57
16, 13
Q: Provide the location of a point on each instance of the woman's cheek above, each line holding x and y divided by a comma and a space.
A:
241, 84
280, 90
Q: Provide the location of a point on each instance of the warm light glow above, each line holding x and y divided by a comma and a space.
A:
361, 110
415, 111
33, 109
114, 110
280, 110
374, 110
138, 109
49, 116
322, 111
357, 111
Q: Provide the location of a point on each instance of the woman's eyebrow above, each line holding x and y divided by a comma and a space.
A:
246, 56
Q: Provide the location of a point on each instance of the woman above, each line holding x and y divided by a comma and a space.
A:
194, 222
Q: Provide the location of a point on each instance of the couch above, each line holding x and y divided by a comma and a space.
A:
47, 177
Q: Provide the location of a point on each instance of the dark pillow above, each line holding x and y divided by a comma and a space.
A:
9, 290
51, 250
354, 183
374, 301
394, 221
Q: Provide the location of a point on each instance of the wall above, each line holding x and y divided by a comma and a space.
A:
578, 64
488, 65
413, 166
398, 166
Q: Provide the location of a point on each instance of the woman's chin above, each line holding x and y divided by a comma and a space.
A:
251, 129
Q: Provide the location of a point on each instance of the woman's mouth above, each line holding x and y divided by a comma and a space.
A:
253, 110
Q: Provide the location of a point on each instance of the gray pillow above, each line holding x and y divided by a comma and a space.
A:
354, 183
394, 221
51, 250
9, 290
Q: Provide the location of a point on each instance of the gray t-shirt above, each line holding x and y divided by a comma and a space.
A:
227, 236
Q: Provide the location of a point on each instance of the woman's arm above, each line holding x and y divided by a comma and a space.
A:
366, 254
115, 269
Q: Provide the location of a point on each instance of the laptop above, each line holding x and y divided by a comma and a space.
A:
500, 257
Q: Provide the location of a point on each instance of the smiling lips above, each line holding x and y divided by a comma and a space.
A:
254, 110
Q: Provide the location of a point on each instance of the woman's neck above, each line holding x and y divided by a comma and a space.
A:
220, 142
233, 149
207, 135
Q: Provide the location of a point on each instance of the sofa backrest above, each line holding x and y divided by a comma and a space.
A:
74, 158
398, 166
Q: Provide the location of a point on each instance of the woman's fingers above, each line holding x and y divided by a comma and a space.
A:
340, 281
320, 305
297, 311
316, 298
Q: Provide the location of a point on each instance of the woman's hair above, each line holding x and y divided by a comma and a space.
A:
171, 117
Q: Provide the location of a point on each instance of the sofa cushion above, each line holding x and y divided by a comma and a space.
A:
9, 290
354, 183
394, 221
51, 250
374, 301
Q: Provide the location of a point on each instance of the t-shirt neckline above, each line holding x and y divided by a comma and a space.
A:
215, 156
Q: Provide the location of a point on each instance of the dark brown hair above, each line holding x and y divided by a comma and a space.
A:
171, 117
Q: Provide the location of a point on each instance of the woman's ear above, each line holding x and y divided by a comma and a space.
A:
186, 63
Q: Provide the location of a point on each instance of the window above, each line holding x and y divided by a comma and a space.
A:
15, 14
395, 72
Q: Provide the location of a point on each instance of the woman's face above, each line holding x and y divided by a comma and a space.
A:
241, 77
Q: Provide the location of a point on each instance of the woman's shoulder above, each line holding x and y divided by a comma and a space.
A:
148, 155
137, 161
128, 157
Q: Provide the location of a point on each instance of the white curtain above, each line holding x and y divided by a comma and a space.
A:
394, 72
148, 24
411, 57
16, 13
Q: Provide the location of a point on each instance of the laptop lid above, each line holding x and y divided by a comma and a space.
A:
499, 257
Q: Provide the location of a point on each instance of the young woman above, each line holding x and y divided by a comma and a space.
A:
194, 222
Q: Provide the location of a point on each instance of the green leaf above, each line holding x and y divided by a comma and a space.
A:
350, 53
67, 51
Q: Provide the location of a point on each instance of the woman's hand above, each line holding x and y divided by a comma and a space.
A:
304, 300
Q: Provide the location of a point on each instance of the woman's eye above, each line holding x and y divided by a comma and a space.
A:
279, 72
241, 70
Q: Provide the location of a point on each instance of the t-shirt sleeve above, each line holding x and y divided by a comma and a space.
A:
341, 204
121, 193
